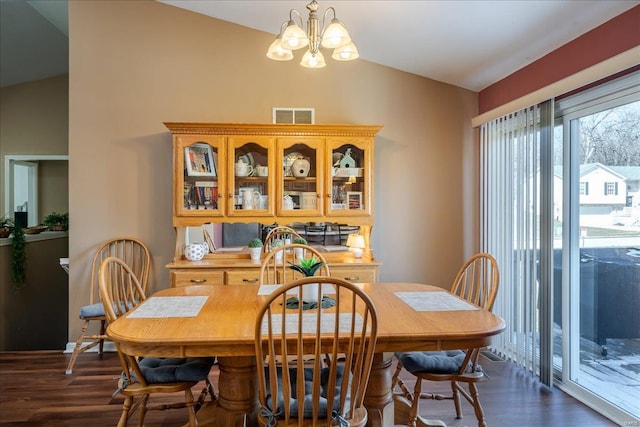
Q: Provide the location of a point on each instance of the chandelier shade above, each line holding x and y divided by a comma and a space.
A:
277, 52
313, 60
292, 37
345, 53
335, 35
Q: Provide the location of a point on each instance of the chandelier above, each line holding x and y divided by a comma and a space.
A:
293, 37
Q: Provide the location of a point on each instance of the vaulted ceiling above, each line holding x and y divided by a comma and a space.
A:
467, 43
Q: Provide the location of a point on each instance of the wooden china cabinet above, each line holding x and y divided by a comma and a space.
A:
270, 173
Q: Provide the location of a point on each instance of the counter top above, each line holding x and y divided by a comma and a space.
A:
45, 235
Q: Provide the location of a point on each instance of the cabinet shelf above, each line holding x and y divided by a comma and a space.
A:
327, 194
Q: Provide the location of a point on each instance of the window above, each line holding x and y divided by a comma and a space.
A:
610, 188
584, 188
593, 266
568, 262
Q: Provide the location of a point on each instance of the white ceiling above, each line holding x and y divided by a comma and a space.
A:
467, 43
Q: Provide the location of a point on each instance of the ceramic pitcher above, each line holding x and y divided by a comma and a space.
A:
250, 199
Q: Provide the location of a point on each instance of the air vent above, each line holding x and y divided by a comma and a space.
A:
294, 115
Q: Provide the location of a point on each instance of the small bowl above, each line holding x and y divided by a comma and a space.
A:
37, 229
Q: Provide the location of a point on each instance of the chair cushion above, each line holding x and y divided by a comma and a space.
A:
97, 309
435, 362
308, 402
167, 370
93, 310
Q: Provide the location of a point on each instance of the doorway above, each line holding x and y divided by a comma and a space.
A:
35, 185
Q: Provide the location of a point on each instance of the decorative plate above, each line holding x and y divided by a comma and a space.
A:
247, 158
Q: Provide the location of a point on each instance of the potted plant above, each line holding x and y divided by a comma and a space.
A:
6, 226
299, 252
57, 221
255, 247
308, 267
276, 243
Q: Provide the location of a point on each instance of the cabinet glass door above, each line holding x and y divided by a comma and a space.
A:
349, 181
300, 176
251, 168
197, 162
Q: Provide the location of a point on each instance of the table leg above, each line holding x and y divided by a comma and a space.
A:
402, 407
237, 392
378, 399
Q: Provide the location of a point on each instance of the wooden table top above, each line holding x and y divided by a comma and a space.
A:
225, 324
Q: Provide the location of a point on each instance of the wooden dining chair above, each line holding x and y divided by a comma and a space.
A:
121, 292
282, 232
136, 255
307, 391
477, 282
276, 265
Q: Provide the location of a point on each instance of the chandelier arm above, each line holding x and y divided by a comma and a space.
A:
282, 28
324, 19
291, 12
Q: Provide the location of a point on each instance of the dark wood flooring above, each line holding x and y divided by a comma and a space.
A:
34, 391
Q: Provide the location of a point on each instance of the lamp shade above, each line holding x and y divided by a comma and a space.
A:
294, 37
355, 242
309, 60
345, 53
277, 52
335, 35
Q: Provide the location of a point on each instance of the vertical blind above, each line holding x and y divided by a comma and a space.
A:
516, 201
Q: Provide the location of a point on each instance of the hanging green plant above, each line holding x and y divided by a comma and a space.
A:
19, 258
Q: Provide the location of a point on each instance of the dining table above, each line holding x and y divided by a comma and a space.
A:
220, 320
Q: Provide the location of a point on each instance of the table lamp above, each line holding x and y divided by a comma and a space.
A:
355, 243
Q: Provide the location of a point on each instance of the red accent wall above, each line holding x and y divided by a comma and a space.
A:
609, 39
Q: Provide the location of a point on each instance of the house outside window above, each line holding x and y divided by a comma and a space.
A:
610, 188
584, 188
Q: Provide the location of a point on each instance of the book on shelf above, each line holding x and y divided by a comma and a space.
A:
206, 194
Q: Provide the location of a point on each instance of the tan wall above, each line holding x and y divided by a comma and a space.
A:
34, 121
135, 64
53, 194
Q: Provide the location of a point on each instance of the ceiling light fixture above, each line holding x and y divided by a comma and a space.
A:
293, 37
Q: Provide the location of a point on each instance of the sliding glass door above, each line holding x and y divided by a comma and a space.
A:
596, 256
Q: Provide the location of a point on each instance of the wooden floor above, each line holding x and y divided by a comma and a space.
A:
34, 391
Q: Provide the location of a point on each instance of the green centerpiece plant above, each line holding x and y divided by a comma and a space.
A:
308, 267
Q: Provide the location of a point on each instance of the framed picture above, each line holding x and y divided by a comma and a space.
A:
354, 200
200, 160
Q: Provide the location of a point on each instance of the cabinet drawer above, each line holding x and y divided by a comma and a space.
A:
242, 277
196, 277
359, 274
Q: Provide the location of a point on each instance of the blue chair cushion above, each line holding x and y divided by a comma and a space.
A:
308, 402
167, 370
434, 362
97, 310
93, 310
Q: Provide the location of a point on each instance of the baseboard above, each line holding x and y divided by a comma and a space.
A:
108, 346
